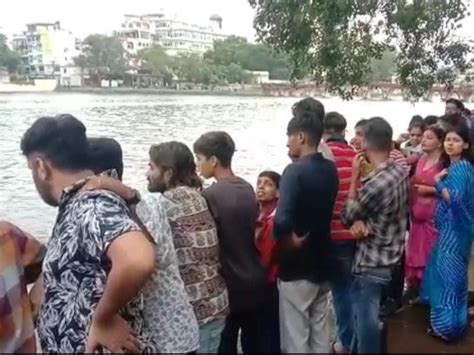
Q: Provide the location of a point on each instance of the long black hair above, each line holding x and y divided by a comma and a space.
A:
462, 131
179, 158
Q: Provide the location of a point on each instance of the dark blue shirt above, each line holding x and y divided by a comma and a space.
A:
308, 191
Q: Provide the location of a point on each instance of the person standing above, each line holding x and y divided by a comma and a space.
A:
89, 271
378, 217
302, 228
344, 243
268, 186
445, 285
172, 171
167, 312
233, 205
423, 233
21, 256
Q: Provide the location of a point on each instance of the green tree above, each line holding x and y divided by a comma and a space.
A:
155, 60
8, 58
384, 68
337, 40
81, 62
104, 56
255, 57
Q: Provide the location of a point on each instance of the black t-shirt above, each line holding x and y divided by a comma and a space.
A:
233, 204
308, 190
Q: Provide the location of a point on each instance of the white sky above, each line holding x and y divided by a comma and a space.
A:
103, 16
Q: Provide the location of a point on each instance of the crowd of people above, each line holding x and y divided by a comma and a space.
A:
350, 231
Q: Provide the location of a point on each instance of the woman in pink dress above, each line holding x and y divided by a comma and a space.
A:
423, 202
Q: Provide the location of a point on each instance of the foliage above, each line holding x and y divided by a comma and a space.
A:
384, 68
254, 57
8, 58
337, 41
103, 56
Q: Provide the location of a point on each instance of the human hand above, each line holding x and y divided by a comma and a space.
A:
36, 297
423, 190
356, 165
110, 184
403, 138
113, 334
359, 230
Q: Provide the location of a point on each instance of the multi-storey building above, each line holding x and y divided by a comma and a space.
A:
45, 48
175, 35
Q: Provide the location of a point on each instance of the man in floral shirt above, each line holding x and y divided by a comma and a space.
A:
97, 260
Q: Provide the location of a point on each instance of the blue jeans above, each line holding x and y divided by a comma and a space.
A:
367, 289
341, 291
210, 336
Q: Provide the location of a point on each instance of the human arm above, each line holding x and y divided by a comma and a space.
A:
424, 190
102, 182
451, 184
361, 205
110, 233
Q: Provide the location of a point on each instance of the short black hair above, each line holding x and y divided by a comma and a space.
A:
447, 121
378, 134
219, 144
272, 175
417, 124
430, 120
361, 123
179, 158
61, 139
335, 122
309, 124
309, 105
457, 102
105, 154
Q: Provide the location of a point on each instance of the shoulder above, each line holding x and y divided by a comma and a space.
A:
99, 200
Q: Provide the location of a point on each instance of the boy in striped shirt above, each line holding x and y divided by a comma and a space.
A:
344, 242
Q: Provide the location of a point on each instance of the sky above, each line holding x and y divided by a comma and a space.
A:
103, 16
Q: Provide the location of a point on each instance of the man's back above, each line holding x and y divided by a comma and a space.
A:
234, 207
307, 194
344, 155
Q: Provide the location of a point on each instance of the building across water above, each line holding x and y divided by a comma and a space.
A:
175, 35
45, 49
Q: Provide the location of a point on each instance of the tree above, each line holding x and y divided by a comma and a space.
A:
81, 62
104, 56
254, 57
336, 41
8, 58
383, 69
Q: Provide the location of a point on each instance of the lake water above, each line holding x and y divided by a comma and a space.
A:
258, 126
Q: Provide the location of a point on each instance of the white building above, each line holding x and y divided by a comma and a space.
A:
175, 35
46, 48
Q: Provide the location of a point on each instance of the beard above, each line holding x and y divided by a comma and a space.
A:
46, 194
155, 186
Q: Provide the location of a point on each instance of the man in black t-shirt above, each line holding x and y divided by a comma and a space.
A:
234, 207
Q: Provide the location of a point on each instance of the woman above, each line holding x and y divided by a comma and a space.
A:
423, 202
445, 285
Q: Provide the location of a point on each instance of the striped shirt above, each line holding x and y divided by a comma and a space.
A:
343, 155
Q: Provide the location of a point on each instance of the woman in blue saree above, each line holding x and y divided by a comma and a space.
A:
445, 284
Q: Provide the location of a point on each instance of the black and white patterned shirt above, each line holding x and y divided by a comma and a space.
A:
75, 267
383, 206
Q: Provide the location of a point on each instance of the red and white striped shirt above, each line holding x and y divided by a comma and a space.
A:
344, 155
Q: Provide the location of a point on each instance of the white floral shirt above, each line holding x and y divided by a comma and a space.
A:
168, 315
75, 266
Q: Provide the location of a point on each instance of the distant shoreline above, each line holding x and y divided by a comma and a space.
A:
163, 91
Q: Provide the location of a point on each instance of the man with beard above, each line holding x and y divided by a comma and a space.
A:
168, 314
89, 272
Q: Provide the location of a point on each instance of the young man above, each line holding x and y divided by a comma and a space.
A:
302, 227
315, 108
268, 185
377, 216
21, 256
167, 311
454, 107
358, 140
234, 207
89, 272
172, 171
344, 243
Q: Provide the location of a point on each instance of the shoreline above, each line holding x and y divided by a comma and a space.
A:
257, 92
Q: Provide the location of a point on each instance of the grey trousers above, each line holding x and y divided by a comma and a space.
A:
304, 317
